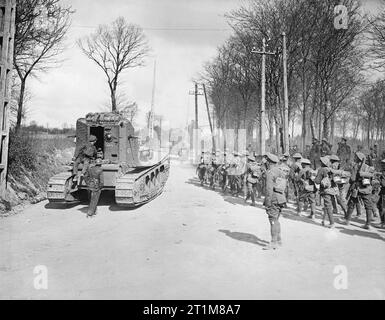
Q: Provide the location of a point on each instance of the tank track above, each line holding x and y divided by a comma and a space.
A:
135, 189
59, 187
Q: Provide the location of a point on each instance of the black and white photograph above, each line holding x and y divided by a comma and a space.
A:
211, 150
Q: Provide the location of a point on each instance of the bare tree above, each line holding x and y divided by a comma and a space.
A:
41, 26
376, 36
114, 49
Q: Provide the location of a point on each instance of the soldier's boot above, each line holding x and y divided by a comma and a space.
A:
279, 239
312, 215
248, 195
329, 213
299, 208
323, 217
274, 230
271, 246
368, 219
348, 215
358, 208
91, 214
375, 214
252, 198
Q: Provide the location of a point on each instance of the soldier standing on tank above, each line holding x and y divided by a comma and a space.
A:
323, 179
360, 189
275, 199
94, 180
85, 155
307, 189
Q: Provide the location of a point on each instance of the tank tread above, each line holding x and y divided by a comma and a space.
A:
58, 187
133, 190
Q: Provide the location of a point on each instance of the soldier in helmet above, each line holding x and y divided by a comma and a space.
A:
323, 179
85, 155
293, 177
202, 168
307, 187
339, 182
94, 180
275, 198
253, 175
237, 172
360, 189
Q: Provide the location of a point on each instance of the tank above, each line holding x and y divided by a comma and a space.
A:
127, 171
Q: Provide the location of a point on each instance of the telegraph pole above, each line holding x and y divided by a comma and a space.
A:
195, 93
7, 17
208, 114
262, 136
285, 95
151, 120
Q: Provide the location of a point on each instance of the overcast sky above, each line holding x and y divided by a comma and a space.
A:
78, 86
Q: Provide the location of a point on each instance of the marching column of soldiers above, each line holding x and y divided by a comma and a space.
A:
341, 183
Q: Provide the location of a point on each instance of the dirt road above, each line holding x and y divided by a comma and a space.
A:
190, 243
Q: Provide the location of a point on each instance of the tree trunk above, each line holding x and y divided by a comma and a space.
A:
113, 100
332, 127
277, 137
312, 129
20, 105
113, 87
325, 127
355, 131
344, 125
270, 135
303, 127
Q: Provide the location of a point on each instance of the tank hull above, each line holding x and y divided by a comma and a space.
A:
134, 187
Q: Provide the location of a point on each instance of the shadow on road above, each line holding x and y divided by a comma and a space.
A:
368, 234
107, 199
62, 206
289, 213
246, 237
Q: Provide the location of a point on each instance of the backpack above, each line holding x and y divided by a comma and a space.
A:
285, 169
280, 185
326, 183
256, 170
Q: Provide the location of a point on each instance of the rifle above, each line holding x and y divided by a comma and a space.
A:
353, 187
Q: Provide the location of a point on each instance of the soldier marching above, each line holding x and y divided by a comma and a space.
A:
344, 181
